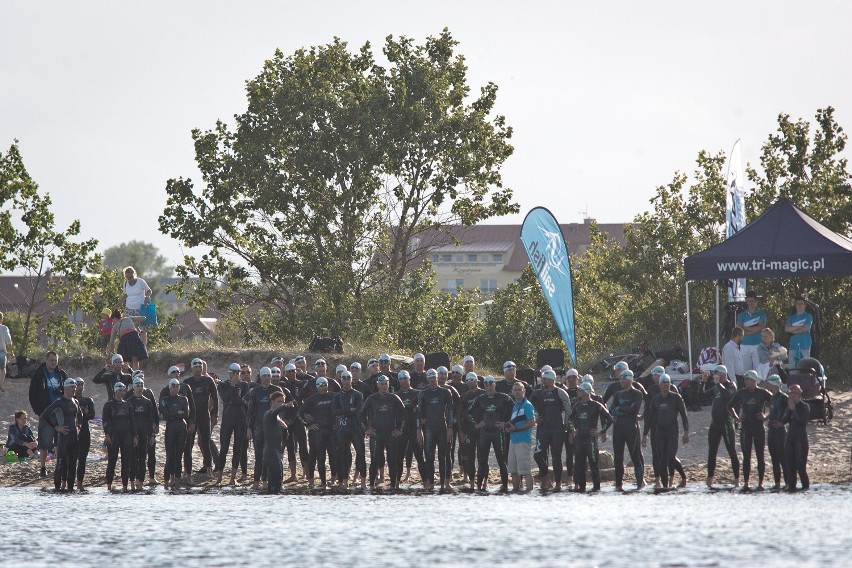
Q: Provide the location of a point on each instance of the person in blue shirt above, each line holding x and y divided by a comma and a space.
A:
798, 326
520, 438
45, 389
752, 321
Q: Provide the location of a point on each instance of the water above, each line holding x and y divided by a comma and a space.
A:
691, 527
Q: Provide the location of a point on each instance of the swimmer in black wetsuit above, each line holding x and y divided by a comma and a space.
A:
175, 410
258, 403
409, 449
552, 408
64, 416
185, 391
87, 407
273, 437
145, 420
119, 428
584, 418
777, 435
753, 402
443, 375
661, 415
490, 413
434, 422
468, 433
383, 419
317, 414
347, 405
233, 393
796, 446
721, 424
624, 409
205, 395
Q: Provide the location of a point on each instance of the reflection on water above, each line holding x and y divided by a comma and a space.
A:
692, 527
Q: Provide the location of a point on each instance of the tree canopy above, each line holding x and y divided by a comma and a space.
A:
310, 204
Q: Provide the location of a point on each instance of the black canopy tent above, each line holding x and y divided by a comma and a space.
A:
784, 242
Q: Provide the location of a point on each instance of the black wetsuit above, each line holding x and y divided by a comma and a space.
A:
468, 432
491, 409
625, 407
451, 445
297, 436
185, 392
321, 439
752, 431
65, 412
144, 423
87, 407
569, 445
777, 436
661, 415
551, 408
434, 417
273, 439
721, 427
152, 447
384, 413
258, 404
234, 423
119, 426
204, 392
347, 405
109, 378
584, 419
418, 380
796, 446
676, 465
408, 447
176, 412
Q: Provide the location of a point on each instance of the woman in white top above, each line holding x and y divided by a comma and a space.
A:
136, 293
5, 352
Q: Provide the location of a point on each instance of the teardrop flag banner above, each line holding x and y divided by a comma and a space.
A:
548, 255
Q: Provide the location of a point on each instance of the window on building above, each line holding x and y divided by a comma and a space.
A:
414, 244
453, 285
497, 258
435, 258
472, 257
483, 258
459, 258
488, 285
446, 258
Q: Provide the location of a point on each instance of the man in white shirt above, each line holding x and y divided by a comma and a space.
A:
731, 357
5, 352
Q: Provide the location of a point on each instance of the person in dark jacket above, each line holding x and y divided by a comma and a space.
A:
796, 415
46, 388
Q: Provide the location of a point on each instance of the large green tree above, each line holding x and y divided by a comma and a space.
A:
53, 261
313, 198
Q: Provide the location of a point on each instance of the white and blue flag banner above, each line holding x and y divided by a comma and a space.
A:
735, 212
548, 255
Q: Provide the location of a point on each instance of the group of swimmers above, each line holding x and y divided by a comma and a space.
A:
415, 417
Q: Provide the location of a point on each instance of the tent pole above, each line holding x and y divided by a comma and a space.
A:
688, 330
717, 316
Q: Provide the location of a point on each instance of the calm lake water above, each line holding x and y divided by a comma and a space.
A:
689, 527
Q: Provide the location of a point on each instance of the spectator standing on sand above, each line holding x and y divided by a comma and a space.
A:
731, 358
46, 388
798, 326
136, 293
5, 352
753, 322
520, 427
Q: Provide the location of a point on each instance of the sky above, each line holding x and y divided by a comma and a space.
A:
607, 99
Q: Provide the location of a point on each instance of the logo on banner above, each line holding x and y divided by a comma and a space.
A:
551, 258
